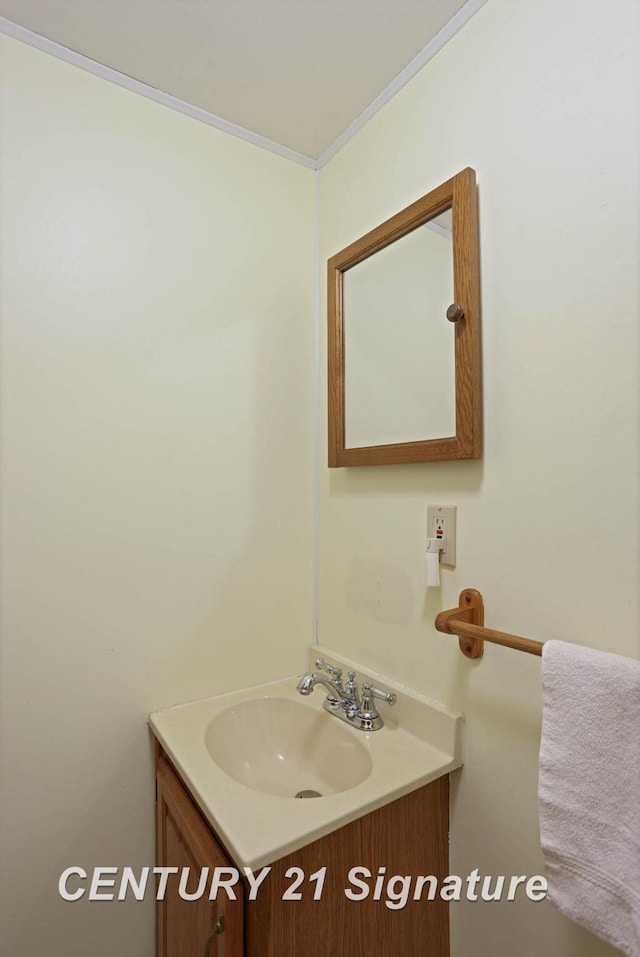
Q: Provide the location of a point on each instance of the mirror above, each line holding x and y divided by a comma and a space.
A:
404, 335
394, 303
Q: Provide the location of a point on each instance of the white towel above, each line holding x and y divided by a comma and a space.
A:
589, 789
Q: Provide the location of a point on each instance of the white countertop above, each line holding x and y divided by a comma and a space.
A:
420, 741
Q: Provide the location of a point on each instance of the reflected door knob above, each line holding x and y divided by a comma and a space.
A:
455, 312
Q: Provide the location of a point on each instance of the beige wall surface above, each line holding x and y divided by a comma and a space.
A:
541, 98
157, 350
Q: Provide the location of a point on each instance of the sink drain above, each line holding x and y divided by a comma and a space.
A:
308, 794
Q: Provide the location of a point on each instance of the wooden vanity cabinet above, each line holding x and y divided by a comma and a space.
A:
196, 928
408, 837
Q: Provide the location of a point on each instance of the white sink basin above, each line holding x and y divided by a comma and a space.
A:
244, 756
284, 748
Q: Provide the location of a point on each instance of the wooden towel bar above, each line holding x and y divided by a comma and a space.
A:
467, 622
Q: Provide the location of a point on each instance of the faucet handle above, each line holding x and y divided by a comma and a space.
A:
368, 716
330, 669
370, 692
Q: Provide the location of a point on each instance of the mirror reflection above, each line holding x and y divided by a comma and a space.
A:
399, 348
403, 324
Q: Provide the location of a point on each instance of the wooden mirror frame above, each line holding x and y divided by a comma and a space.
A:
459, 195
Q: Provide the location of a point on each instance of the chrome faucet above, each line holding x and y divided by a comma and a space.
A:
344, 701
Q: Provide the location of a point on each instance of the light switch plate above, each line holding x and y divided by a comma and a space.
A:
443, 517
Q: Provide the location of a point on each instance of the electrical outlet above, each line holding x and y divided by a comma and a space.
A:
441, 523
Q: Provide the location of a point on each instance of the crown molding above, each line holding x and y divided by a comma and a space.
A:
14, 30
61, 52
427, 53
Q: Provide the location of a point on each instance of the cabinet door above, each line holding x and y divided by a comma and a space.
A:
192, 928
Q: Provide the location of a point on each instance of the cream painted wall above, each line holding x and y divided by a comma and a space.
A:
541, 98
157, 349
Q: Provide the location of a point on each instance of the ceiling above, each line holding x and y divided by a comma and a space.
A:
297, 72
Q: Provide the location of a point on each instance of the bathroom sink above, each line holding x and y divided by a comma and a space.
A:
287, 749
245, 755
